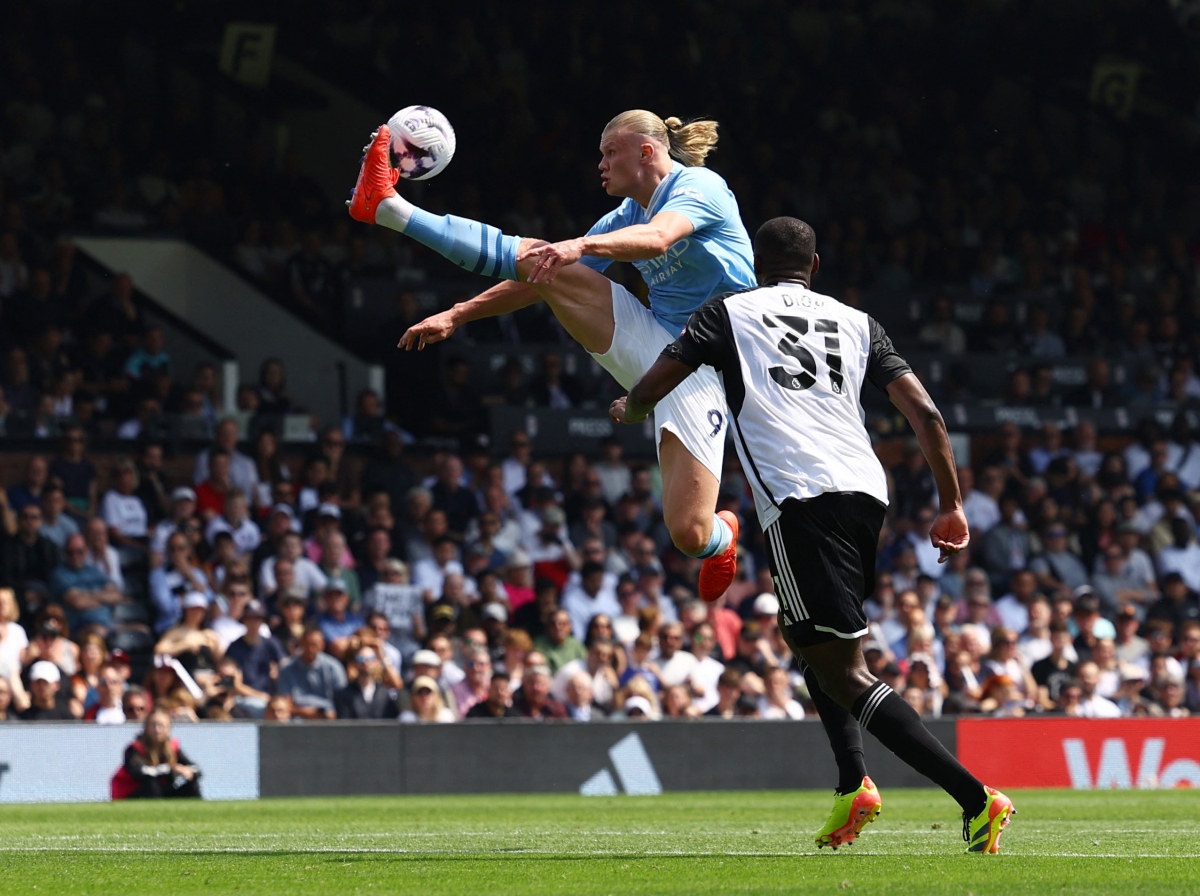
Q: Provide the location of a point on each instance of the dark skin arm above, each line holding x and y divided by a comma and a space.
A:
949, 532
656, 383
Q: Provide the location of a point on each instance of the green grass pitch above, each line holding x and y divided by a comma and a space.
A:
1129, 842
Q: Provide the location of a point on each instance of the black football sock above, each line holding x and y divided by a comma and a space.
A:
884, 713
845, 736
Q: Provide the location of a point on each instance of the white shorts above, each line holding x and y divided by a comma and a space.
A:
695, 411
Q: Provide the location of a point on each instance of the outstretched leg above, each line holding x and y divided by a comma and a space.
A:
582, 301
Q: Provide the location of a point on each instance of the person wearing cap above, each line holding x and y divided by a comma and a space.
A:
551, 550
257, 652
638, 707
312, 679
403, 605
86, 593
45, 682
427, 704
328, 518
336, 621
183, 509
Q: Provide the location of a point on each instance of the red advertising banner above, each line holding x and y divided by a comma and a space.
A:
1083, 754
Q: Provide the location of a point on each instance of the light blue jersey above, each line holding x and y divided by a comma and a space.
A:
715, 258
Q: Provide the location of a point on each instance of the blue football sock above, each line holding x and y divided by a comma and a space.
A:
473, 246
718, 542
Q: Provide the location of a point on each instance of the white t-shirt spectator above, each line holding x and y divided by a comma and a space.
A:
427, 574
704, 676
1013, 614
1097, 707
125, 513
246, 537
1185, 561
602, 692
678, 669
626, 630
308, 574
113, 715
582, 607
768, 710
981, 510
15, 640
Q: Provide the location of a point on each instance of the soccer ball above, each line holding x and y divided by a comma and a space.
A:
422, 142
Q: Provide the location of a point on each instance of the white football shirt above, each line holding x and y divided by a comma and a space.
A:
794, 363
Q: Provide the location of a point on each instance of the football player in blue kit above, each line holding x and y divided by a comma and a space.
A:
679, 225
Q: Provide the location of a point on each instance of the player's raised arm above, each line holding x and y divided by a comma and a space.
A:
656, 383
949, 532
637, 242
503, 298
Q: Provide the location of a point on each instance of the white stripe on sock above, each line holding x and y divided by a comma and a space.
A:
868, 711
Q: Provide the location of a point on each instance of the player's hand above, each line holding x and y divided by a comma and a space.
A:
617, 410
432, 329
548, 258
949, 533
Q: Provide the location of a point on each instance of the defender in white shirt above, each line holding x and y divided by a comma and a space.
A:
794, 363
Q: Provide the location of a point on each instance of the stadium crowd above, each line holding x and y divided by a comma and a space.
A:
474, 588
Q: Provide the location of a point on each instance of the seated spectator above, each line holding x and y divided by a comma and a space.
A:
578, 704
102, 555
707, 672
236, 521
85, 592
729, 689
498, 704
84, 686
155, 766
279, 709
1057, 568
228, 609
47, 703
109, 709
1182, 556
365, 697
28, 559
1013, 608
76, 473
213, 491
57, 525
183, 510
600, 666
589, 597
230, 697
29, 489
779, 702
334, 561
179, 575
197, 648
403, 605
558, 644
125, 514
51, 641
258, 656
242, 471
427, 704
312, 679
1178, 604
533, 700
293, 607
306, 574
1091, 704
475, 685
336, 622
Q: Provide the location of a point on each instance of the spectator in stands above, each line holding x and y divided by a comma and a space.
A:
533, 700
589, 597
76, 473
366, 697
474, 688
498, 704
312, 679
1183, 555
56, 525
778, 702
258, 656
28, 558
102, 555
306, 574
558, 644
1092, 705
47, 703
86, 593
125, 514
336, 621
242, 472
236, 521
197, 648
427, 704
108, 708
29, 490
183, 509
1178, 604
217, 485
292, 606
177, 576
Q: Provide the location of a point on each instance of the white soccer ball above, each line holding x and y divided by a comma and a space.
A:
422, 142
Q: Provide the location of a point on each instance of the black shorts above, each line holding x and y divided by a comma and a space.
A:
822, 554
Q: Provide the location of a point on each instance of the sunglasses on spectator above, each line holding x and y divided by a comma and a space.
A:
475, 664
364, 658
423, 692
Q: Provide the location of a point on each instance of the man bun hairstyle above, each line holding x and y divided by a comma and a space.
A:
689, 143
785, 244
